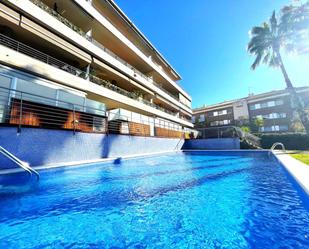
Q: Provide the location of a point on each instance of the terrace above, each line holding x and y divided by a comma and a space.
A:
78, 30
25, 109
34, 53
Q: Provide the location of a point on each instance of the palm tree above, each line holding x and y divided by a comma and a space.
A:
294, 22
266, 43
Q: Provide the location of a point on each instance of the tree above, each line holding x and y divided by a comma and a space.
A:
245, 129
294, 23
259, 122
265, 44
256, 124
297, 126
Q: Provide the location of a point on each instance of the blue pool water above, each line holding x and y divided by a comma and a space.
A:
181, 200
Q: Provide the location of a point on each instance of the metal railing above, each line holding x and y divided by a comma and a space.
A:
126, 93
22, 109
140, 125
230, 132
275, 145
25, 109
36, 54
78, 30
25, 166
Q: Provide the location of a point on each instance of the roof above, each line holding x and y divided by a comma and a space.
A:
140, 34
276, 92
251, 97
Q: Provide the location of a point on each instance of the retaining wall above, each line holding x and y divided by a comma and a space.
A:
43, 146
212, 144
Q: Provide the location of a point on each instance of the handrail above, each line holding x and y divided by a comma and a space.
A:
276, 144
25, 166
181, 139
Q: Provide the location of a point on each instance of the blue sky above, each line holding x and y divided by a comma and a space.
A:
205, 41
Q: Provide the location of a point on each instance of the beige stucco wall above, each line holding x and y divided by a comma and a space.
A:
240, 109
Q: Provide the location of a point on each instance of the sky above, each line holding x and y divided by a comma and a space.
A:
205, 41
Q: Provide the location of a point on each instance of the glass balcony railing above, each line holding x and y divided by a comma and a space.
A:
36, 54
78, 30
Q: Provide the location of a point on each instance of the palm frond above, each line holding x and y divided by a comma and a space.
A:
266, 57
273, 23
257, 61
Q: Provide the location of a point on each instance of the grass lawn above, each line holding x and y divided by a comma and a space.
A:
301, 157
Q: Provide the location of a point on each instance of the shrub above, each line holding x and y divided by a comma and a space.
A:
245, 129
291, 141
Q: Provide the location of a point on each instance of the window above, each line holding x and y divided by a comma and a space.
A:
283, 128
214, 123
202, 118
68, 100
219, 113
223, 112
257, 106
266, 104
221, 122
226, 122
5, 81
266, 129
274, 128
271, 116
193, 119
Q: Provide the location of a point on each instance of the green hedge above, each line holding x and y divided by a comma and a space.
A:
295, 141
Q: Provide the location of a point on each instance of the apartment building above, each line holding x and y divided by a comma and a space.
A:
88, 55
274, 108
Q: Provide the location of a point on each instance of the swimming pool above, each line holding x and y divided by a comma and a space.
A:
178, 200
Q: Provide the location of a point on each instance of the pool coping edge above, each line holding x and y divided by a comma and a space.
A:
298, 170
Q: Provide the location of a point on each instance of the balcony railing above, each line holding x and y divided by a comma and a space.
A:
78, 30
29, 110
22, 48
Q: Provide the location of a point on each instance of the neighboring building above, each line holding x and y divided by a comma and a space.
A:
273, 107
89, 54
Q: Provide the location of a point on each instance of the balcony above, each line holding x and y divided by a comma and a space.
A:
36, 54
78, 30
25, 109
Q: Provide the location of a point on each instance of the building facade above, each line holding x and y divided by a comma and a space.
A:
273, 108
86, 54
